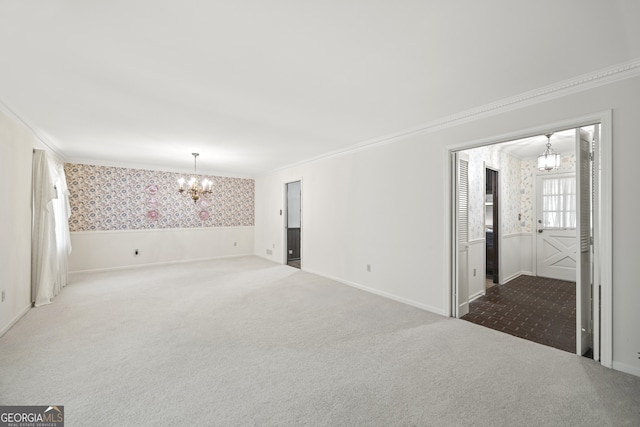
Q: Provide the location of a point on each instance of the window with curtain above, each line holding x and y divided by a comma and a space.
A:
51, 243
559, 202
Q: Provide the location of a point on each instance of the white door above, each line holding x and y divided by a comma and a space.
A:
462, 240
556, 242
584, 304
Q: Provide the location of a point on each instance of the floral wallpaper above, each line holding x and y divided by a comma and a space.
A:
510, 179
517, 179
111, 198
528, 174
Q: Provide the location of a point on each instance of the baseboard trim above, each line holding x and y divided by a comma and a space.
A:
380, 293
476, 296
159, 230
627, 369
516, 275
15, 320
152, 264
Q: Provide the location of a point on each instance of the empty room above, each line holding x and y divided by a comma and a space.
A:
319, 213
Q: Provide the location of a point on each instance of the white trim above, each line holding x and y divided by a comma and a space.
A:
477, 295
154, 264
604, 238
514, 276
44, 141
517, 234
14, 320
573, 85
155, 167
628, 369
449, 231
384, 294
164, 230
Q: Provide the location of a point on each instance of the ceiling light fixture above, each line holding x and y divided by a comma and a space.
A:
194, 188
549, 159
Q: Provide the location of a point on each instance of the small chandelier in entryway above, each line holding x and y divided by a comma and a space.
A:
549, 159
194, 188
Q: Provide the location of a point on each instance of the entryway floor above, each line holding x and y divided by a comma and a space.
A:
534, 308
294, 263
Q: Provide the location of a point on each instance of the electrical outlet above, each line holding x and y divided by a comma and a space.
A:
3, 295
235, 243
369, 267
290, 252
269, 252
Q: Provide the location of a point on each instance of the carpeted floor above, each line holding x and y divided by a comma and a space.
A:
246, 342
537, 309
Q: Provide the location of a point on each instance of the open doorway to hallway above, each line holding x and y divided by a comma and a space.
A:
294, 223
543, 283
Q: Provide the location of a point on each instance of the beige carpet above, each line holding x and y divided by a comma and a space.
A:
246, 342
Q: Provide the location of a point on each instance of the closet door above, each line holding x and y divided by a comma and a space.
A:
462, 234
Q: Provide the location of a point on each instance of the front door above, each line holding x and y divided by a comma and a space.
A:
556, 242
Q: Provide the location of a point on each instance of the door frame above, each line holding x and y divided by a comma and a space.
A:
499, 216
603, 230
285, 221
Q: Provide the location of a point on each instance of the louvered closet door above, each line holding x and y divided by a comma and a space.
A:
462, 221
584, 313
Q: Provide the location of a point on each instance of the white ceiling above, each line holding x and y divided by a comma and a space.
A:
254, 85
563, 143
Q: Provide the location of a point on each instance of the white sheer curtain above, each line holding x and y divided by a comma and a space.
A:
51, 243
559, 202
61, 213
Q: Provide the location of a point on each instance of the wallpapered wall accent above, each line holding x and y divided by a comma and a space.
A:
510, 181
528, 172
111, 198
517, 178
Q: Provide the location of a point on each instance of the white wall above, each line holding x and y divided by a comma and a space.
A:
477, 263
293, 204
16, 151
352, 205
366, 208
103, 250
511, 254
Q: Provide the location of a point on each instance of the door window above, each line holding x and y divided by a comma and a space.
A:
559, 202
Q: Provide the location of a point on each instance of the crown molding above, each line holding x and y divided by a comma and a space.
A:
560, 89
154, 167
45, 142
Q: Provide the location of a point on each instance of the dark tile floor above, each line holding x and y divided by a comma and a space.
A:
534, 308
294, 263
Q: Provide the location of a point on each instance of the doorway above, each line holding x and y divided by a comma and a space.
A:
294, 224
591, 164
492, 226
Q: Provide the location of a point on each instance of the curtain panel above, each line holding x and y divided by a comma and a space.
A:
51, 243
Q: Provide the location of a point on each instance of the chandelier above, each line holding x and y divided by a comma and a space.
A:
549, 159
194, 188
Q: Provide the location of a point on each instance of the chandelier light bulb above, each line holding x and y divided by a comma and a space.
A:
194, 188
